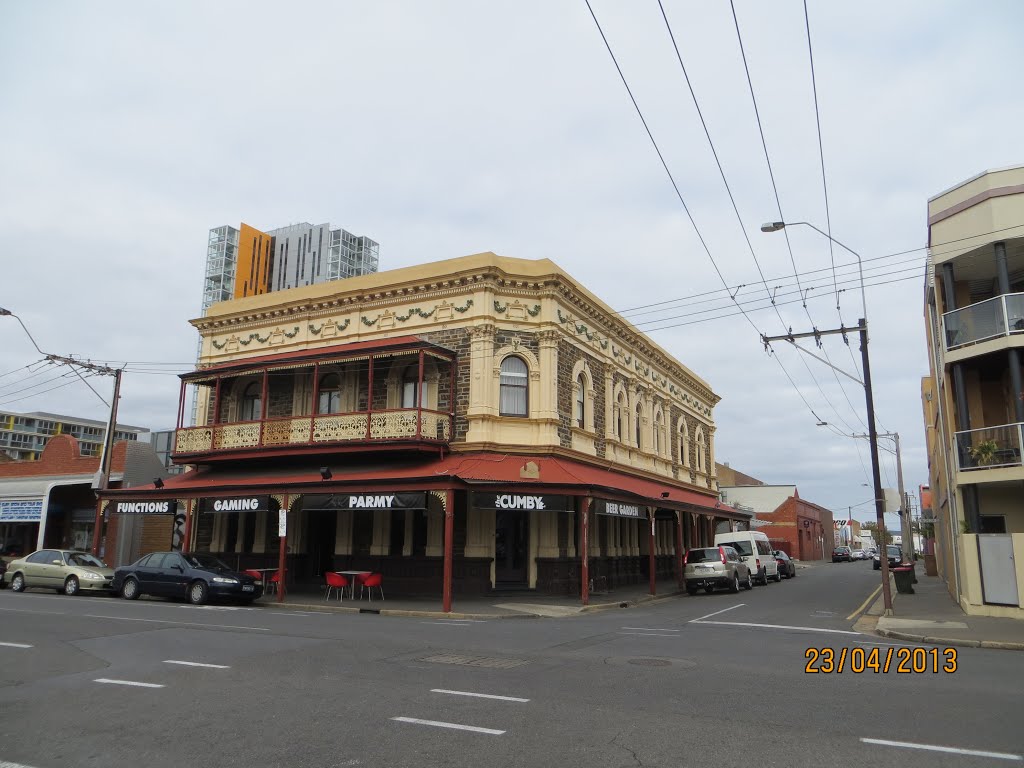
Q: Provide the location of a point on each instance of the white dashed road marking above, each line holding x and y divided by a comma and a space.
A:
649, 634
651, 629
731, 607
455, 726
135, 683
179, 623
951, 750
478, 695
196, 664
775, 626
14, 645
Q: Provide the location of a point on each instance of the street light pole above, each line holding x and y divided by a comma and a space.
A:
862, 327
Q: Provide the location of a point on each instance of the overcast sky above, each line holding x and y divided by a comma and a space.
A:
128, 130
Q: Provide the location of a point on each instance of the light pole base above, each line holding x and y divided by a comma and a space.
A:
887, 612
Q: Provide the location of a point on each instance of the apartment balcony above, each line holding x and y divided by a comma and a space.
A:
395, 429
984, 327
990, 448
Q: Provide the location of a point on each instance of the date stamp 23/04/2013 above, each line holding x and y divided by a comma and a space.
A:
901, 660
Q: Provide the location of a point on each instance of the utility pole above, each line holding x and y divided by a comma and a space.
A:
104, 473
862, 329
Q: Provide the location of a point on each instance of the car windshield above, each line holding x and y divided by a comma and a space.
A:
84, 558
704, 555
893, 551
205, 561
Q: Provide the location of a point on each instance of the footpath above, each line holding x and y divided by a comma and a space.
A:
930, 615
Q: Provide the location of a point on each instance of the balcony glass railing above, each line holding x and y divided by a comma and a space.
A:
990, 447
989, 319
413, 425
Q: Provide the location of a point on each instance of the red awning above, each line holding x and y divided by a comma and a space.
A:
479, 471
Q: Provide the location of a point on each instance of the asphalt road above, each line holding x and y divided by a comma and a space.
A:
705, 680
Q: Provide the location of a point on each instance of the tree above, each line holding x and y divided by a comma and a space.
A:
884, 538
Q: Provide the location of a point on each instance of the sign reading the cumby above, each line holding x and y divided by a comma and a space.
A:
236, 504
365, 501
139, 507
519, 501
617, 509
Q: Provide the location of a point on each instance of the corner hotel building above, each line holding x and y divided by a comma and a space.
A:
462, 427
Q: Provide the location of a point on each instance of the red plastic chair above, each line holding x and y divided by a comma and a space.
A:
255, 574
335, 581
371, 581
273, 582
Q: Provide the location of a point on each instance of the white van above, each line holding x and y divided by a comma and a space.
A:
756, 551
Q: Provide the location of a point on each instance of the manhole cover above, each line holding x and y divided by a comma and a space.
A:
474, 661
649, 662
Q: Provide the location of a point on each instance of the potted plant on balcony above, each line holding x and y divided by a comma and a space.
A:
984, 453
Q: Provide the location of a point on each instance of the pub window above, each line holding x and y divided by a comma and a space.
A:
639, 440
410, 384
514, 380
419, 533
657, 432
620, 422
330, 394
701, 445
581, 401
397, 542
231, 537
362, 531
248, 531
252, 403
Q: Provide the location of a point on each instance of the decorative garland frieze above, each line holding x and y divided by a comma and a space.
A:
338, 327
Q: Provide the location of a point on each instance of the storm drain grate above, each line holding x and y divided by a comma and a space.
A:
474, 661
650, 662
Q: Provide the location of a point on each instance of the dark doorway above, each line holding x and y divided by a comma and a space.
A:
511, 541
322, 531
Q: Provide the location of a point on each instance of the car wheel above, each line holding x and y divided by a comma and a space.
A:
130, 589
875, 566
778, 576
749, 584
762, 578
18, 583
735, 586
197, 592
71, 586
691, 590
709, 590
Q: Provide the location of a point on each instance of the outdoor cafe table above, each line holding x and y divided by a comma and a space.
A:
352, 581
264, 571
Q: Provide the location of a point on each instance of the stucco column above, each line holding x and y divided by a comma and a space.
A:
481, 360
548, 405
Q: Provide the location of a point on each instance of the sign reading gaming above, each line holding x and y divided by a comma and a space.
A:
523, 502
236, 504
616, 509
141, 507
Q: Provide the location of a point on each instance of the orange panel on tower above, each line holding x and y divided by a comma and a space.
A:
252, 275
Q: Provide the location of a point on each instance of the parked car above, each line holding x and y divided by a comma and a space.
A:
787, 567
711, 567
756, 551
3, 570
65, 571
860, 554
841, 554
895, 557
196, 577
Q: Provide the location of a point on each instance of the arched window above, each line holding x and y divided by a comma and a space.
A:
581, 402
252, 403
330, 394
410, 384
512, 400
657, 432
639, 438
620, 421
702, 464
684, 442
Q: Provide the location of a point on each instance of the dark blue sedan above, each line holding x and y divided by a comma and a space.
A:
197, 577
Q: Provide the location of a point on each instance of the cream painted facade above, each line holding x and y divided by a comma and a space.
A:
973, 399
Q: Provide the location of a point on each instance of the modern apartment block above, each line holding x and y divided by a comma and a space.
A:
973, 399
24, 435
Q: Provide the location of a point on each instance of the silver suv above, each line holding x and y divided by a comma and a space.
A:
711, 567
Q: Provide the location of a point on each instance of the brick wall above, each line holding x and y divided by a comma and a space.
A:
456, 339
280, 394
798, 528
62, 456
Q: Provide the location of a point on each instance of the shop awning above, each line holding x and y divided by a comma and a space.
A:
479, 471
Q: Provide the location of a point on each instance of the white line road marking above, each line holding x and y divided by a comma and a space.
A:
651, 629
15, 645
217, 607
649, 634
776, 626
731, 607
888, 645
179, 623
4, 764
456, 726
478, 695
108, 681
952, 750
449, 623
196, 664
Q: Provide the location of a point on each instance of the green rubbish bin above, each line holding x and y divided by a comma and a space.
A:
904, 576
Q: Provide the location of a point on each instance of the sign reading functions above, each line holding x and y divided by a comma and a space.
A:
520, 501
236, 504
617, 509
23, 511
140, 507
